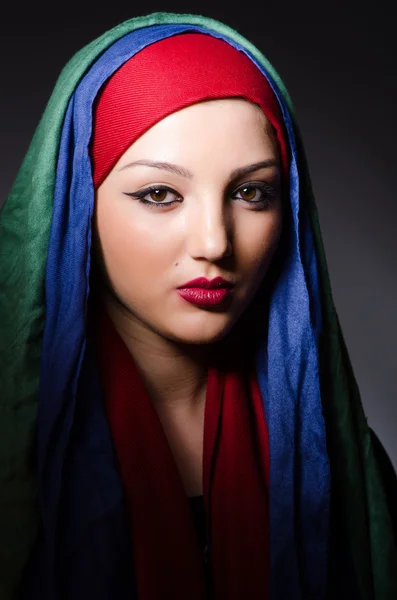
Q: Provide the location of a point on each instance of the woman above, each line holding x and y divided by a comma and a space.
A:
157, 400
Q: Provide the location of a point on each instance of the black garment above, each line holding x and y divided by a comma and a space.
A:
198, 514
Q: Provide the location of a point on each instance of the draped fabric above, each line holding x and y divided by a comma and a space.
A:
235, 479
317, 429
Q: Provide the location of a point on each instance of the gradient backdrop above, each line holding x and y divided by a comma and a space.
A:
339, 65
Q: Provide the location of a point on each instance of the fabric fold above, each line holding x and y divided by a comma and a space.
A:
167, 558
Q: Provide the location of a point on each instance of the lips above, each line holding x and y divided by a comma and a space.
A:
202, 282
203, 292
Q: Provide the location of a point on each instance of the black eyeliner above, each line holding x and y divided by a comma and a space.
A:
265, 188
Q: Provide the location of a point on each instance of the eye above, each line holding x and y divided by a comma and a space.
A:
158, 195
259, 194
155, 195
249, 193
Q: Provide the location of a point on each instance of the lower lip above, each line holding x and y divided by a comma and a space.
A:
204, 297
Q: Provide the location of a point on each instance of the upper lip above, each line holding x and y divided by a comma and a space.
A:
203, 282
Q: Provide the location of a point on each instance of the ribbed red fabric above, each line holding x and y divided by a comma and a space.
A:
165, 77
167, 559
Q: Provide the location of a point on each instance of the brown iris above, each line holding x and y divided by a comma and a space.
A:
158, 195
248, 193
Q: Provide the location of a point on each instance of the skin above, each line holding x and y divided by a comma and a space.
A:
147, 252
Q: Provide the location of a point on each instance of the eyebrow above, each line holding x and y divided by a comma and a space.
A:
165, 166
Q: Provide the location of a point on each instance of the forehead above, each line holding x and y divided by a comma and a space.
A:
231, 126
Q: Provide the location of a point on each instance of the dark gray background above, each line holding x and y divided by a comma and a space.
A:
338, 63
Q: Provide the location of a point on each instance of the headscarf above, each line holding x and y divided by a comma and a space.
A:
167, 76
319, 438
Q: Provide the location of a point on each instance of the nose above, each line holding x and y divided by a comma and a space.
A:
210, 230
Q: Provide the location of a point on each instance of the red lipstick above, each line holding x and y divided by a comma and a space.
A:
203, 292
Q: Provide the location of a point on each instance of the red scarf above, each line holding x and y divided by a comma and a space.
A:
167, 558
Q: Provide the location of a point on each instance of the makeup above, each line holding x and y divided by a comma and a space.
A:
203, 292
203, 297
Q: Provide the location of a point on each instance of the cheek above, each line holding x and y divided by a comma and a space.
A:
257, 242
132, 252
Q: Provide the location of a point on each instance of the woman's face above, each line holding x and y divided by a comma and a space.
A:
214, 209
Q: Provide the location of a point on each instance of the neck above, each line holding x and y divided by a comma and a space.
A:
175, 375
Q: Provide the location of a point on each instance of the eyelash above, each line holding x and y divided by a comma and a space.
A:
264, 188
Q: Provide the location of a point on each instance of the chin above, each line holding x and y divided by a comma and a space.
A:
201, 333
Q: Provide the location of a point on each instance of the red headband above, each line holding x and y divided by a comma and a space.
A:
167, 76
